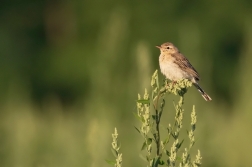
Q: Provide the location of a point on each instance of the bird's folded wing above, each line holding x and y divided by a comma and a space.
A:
184, 64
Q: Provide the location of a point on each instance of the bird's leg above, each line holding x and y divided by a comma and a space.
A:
173, 83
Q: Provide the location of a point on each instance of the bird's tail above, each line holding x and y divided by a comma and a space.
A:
203, 93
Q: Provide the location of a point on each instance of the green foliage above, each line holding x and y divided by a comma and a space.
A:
150, 127
115, 150
66, 81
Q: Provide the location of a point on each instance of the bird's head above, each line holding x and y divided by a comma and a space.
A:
168, 48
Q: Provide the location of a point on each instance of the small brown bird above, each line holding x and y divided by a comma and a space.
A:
175, 66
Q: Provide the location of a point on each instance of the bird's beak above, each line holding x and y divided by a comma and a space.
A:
158, 47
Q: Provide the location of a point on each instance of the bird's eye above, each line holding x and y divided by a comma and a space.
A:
168, 47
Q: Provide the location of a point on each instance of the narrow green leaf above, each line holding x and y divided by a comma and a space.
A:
157, 161
143, 158
144, 146
153, 162
137, 130
167, 153
175, 136
157, 82
193, 127
169, 130
139, 118
166, 140
114, 152
110, 162
179, 144
143, 101
161, 162
149, 141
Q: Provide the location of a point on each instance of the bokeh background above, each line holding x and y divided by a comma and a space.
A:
70, 72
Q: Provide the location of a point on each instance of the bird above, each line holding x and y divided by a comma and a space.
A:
175, 66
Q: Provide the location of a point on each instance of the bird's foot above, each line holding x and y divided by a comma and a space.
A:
173, 83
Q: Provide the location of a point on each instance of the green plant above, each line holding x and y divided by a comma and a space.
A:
115, 150
149, 129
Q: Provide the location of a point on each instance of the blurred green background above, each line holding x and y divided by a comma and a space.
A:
71, 70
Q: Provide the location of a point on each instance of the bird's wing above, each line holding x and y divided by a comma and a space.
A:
184, 64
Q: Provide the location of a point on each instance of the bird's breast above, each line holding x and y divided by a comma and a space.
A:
171, 70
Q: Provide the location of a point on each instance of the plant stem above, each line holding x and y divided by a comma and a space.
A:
157, 134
